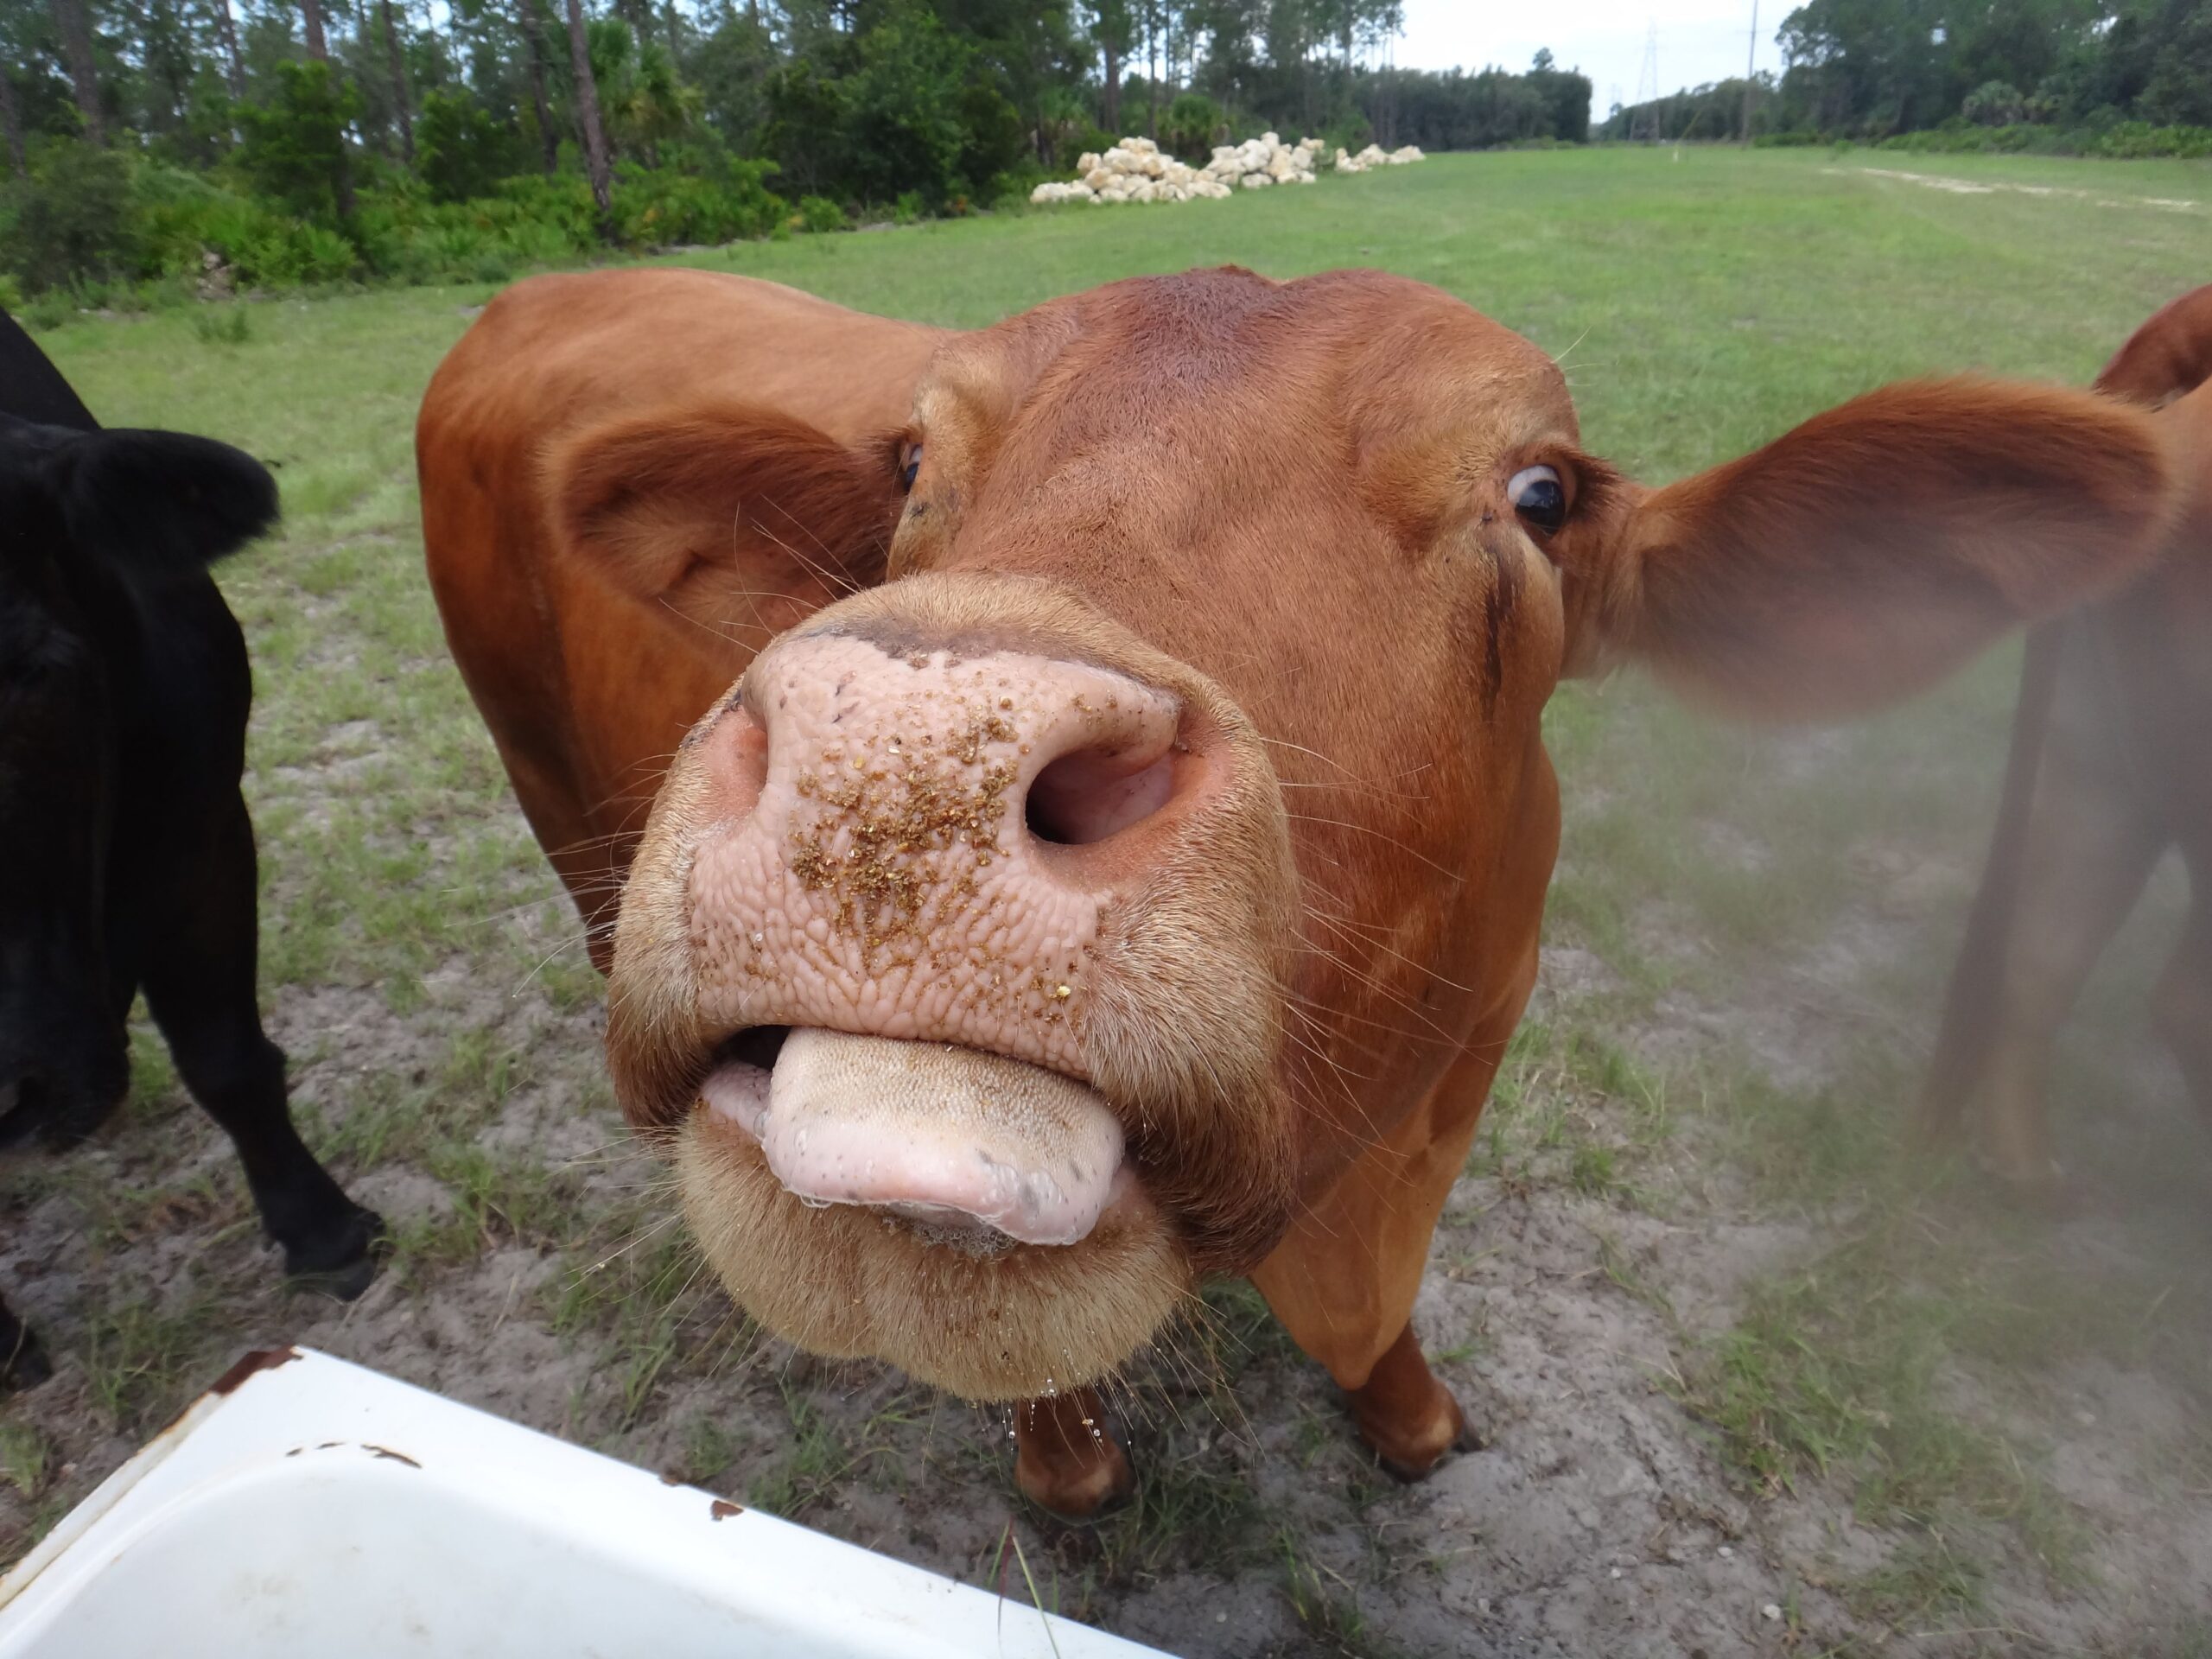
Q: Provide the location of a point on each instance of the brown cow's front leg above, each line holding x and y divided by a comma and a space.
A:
1344, 1279
1066, 1460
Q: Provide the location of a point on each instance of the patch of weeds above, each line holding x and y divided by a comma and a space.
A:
1844, 1143
499, 1198
1215, 1341
1592, 1174
26, 1456
2191, 1638
822, 1454
1316, 1435
1622, 1273
385, 1115
1925, 1584
222, 325
155, 1086
1194, 1510
140, 1359
481, 1071
1839, 1369
708, 1450
635, 1281
214, 1202
1569, 1108
1326, 1605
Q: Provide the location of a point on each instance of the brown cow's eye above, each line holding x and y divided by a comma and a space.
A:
1540, 499
912, 465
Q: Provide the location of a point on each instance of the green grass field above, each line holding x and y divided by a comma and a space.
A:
1904, 1412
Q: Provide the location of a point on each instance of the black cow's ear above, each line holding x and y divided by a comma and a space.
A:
161, 502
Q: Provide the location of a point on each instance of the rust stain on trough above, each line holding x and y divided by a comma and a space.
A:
721, 1509
261, 1359
386, 1452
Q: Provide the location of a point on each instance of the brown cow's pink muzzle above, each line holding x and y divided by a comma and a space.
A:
924, 845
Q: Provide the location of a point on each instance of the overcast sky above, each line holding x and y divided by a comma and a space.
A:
1698, 40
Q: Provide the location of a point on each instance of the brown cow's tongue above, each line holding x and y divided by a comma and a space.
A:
940, 1133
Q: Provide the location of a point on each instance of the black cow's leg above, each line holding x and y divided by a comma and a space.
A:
23, 1364
200, 984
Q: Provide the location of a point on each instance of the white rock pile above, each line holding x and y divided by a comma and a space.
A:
1135, 170
1375, 156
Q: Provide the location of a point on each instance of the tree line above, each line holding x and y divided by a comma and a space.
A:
2115, 76
865, 101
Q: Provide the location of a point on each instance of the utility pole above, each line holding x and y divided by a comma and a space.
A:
1750, 59
1646, 90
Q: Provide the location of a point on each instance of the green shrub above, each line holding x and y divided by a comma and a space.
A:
710, 199
908, 106
72, 220
1995, 103
461, 151
819, 213
2133, 139
222, 325
50, 310
293, 151
1191, 127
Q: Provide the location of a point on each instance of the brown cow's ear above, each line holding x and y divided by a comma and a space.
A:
746, 521
1862, 556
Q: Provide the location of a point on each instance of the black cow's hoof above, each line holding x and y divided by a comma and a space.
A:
344, 1264
26, 1366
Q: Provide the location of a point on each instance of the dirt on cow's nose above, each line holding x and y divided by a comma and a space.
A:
890, 752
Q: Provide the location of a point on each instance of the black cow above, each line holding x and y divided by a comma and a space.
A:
126, 856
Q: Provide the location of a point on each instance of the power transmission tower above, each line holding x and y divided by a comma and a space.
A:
1647, 89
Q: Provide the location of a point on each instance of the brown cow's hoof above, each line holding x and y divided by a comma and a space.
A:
1408, 1417
1410, 1452
1068, 1461
2038, 1187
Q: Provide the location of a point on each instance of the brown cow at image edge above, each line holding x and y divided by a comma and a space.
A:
2106, 771
1122, 856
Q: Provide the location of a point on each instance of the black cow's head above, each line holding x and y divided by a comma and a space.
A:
95, 527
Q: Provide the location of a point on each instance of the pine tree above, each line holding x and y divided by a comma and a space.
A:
76, 31
587, 121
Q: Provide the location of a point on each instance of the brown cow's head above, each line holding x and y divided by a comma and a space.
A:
1165, 809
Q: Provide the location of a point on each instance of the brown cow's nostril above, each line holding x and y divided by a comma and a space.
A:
735, 757
1090, 795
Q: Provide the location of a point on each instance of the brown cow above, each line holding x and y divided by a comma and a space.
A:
2108, 770
1136, 874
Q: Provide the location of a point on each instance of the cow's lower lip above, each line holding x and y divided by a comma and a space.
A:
969, 1149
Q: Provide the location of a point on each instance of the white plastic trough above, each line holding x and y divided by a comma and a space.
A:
308, 1506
